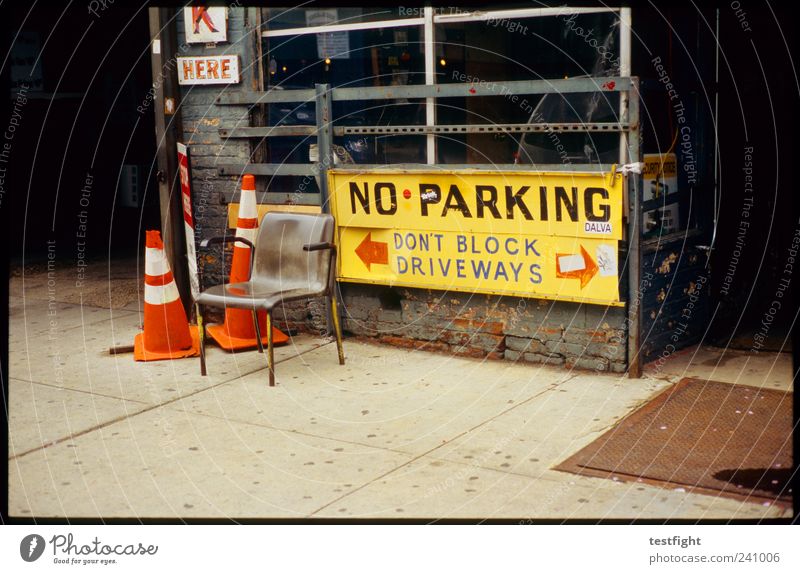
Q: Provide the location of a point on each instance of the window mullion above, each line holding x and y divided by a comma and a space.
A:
430, 80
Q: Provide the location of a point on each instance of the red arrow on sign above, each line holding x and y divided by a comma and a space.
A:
576, 266
370, 252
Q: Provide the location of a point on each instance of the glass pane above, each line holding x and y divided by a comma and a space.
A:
380, 57
359, 58
529, 49
548, 47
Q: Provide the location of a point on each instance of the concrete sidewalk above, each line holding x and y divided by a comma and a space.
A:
395, 433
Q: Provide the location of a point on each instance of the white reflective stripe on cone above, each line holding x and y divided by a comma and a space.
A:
160, 294
247, 233
155, 262
247, 205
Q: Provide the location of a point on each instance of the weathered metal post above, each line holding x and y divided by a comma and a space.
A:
164, 50
325, 149
324, 142
634, 238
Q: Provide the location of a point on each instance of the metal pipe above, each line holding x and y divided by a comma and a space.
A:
455, 90
324, 142
625, 72
716, 138
298, 169
430, 80
634, 265
513, 14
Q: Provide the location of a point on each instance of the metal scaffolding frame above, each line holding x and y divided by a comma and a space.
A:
323, 96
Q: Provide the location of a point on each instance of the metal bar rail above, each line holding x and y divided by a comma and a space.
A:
305, 131
634, 263
313, 169
454, 90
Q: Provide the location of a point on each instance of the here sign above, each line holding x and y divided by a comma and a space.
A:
528, 234
193, 70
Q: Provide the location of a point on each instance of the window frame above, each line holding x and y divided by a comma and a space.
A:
429, 21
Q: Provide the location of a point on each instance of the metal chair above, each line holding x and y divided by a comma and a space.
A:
294, 258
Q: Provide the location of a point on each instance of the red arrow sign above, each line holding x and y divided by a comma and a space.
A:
370, 252
571, 267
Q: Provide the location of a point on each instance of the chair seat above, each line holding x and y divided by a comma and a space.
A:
251, 295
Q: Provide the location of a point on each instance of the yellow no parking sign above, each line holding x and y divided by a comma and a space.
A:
528, 234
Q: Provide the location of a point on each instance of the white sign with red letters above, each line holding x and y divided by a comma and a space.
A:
194, 70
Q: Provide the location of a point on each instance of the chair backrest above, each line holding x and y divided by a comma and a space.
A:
280, 258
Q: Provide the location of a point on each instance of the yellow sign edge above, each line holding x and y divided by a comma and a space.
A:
372, 171
337, 230
524, 295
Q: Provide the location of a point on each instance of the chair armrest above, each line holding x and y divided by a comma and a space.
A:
226, 239
230, 239
319, 246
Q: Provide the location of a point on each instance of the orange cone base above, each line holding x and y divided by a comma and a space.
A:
220, 334
142, 354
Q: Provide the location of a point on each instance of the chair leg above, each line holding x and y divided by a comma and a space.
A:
201, 330
258, 331
270, 357
337, 328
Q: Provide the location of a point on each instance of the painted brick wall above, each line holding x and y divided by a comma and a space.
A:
516, 329
202, 119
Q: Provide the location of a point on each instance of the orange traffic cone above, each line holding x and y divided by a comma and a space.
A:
238, 331
167, 334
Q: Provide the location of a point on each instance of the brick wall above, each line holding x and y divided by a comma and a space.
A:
517, 329
202, 119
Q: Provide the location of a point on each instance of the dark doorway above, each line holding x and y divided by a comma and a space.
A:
758, 103
81, 161
744, 213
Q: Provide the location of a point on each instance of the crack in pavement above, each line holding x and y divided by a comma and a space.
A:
153, 407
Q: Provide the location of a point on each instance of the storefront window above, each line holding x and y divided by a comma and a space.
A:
482, 49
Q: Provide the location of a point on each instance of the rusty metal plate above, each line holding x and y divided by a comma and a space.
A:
701, 436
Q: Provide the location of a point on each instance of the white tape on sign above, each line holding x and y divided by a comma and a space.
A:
632, 168
191, 255
606, 256
567, 263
